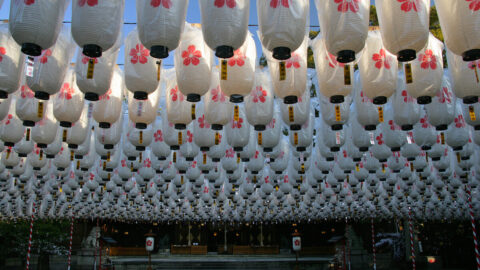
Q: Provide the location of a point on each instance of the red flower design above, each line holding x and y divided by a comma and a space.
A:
165, 3
293, 61
29, 2
345, 5
149, 243
238, 58
221, 3
474, 5
194, 164
332, 61
345, 153
428, 59
285, 179
176, 95
92, 176
237, 124
26, 92
106, 95
424, 122
381, 59
474, 64
230, 153
444, 95
189, 136
380, 139
66, 92
139, 54
259, 94
256, 154
408, 5
45, 54
406, 97
88, 2
272, 123
158, 136
3, 51
218, 95
191, 55
459, 121
61, 151
147, 163
393, 126
202, 123
124, 163
9, 117
364, 97
275, 3
85, 60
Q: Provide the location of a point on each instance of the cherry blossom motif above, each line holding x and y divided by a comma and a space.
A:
364, 97
275, 3
61, 151
158, 136
345, 5
147, 163
92, 176
66, 92
88, 2
221, 3
237, 124
218, 95
9, 117
393, 126
45, 54
444, 95
26, 92
3, 51
85, 60
176, 95
380, 139
191, 55
424, 122
238, 58
259, 95
459, 121
194, 164
345, 153
332, 61
202, 123
381, 59
428, 60
474, 64
106, 96
256, 154
282, 154
29, 2
406, 97
139, 54
205, 190
149, 243
165, 3
474, 5
410, 134
189, 136
124, 163
272, 123
230, 153
408, 5
294, 61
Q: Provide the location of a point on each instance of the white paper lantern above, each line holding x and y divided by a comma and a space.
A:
224, 25
404, 26
29, 109
160, 25
464, 78
193, 64
68, 103
143, 112
472, 115
441, 111
77, 134
424, 133
250, 149
361, 138
295, 115
24, 146
189, 149
460, 35
260, 102
108, 108
218, 109
270, 137
11, 63
140, 138
302, 138
179, 110
238, 131
285, 34
111, 136
35, 25
457, 134
45, 130
96, 25
142, 72
345, 26
5, 106
406, 112
335, 115
380, 150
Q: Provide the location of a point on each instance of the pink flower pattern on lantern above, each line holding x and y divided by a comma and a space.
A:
176, 95
139, 54
364, 98
66, 92
191, 55
237, 124
428, 60
256, 154
29, 2
474, 5
106, 96
393, 126
272, 123
85, 60
26, 92
238, 58
444, 95
380, 139
221, 3
381, 59
345, 154
408, 5
165, 3
147, 163
293, 61
474, 64
9, 117
189, 136
459, 121
424, 122
218, 95
345, 5
275, 3
230, 153
332, 61
158, 136
124, 163
259, 95
3, 51
406, 97
45, 54
202, 123
88, 2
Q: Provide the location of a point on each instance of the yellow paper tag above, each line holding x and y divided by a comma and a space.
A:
180, 140
193, 112
283, 71
476, 73
295, 138
291, 115
140, 157
40, 110
442, 137
224, 71
338, 115
27, 137
471, 110
204, 158
346, 75
411, 166
78, 164
108, 156
238, 158
380, 114
90, 68
8, 153
458, 157
357, 168
71, 155
104, 165
159, 68
408, 73
235, 113
260, 138
383, 168
140, 137
174, 157
181, 179
41, 155
302, 168
64, 135
217, 138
